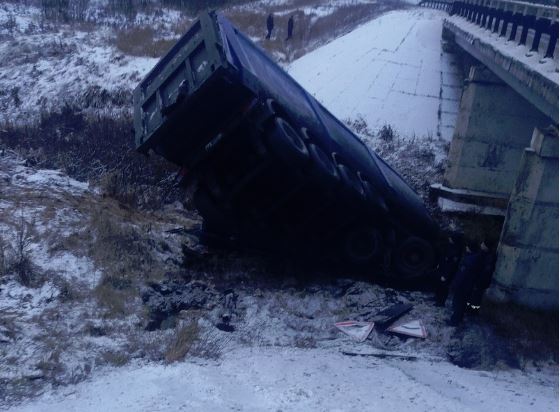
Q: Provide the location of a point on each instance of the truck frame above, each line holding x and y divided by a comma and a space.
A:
268, 165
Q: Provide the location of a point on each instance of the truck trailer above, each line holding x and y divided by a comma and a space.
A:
267, 165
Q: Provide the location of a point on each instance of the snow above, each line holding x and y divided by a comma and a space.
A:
42, 68
76, 63
391, 70
272, 379
318, 7
42, 200
323, 10
52, 180
28, 301
448, 205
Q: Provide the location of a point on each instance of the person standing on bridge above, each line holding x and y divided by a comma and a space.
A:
269, 25
290, 27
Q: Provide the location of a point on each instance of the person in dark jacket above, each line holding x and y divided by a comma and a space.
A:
471, 265
290, 28
451, 254
269, 25
484, 278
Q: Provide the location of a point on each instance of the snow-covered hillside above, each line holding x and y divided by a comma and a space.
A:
43, 67
390, 71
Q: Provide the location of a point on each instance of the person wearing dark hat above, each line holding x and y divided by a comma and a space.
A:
269, 25
469, 268
451, 253
484, 279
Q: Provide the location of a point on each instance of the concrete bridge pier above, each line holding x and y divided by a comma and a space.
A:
527, 266
493, 128
497, 165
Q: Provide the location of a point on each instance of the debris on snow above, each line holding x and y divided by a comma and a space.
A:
414, 328
359, 331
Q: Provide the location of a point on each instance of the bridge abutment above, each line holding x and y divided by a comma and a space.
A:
503, 159
493, 128
527, 266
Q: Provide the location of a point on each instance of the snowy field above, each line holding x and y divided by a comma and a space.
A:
42, 69
391, 70
274, 379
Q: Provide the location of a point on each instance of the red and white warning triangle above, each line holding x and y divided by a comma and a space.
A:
358, 331
414, 328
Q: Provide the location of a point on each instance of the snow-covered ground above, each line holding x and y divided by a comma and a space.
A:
283, 354
274, 379
42, 69
49, 219
390, 71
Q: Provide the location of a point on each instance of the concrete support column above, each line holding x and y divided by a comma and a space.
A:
493, 128
527, 266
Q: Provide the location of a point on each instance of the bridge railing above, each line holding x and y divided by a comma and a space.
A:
498, 15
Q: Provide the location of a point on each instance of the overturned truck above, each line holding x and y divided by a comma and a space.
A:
268, 165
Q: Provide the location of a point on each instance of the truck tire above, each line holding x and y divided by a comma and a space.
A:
285, 143
362, 245
413, 258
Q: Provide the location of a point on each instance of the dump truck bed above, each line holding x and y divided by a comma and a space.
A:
215, 88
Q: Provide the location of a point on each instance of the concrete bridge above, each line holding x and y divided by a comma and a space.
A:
503, 158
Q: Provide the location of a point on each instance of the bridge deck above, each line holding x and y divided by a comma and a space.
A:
531, 75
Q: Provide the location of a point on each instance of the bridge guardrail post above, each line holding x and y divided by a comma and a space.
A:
507, 16
515, 25
527, 23
498, 16
553, 40
480, 16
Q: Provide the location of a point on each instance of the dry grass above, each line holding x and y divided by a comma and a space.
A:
15, 256
113, 358
189, 338
310, 31
142, 41
305, 342
124, 254
3, 258
184, 338
50, 366
92, 148
114, 185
